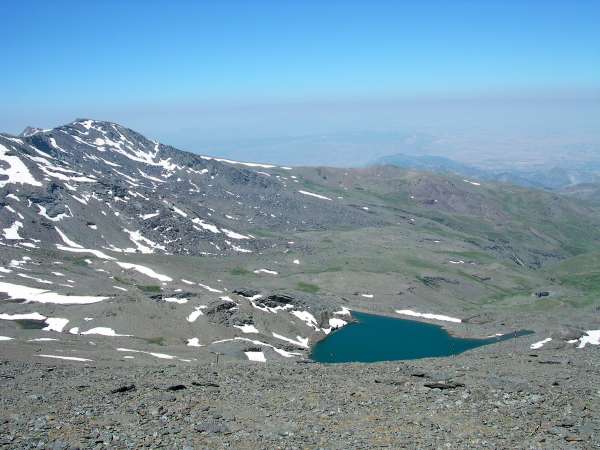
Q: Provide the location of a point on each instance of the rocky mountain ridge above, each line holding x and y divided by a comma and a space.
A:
107, 187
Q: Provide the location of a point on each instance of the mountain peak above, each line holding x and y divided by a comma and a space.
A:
30, 131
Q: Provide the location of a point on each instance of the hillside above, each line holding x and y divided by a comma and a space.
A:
163, 252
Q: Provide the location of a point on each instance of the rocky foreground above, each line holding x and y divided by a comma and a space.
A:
486, 398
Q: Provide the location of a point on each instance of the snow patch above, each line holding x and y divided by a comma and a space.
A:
12, 232
144, 270
179, 301
17, 171
256, 356
56, 324
592, 337
29, 294
408, 312
300, 341
67, 358
104, 331
312, 194
539, 344
246, 328
194, 342
268, 271
196, 313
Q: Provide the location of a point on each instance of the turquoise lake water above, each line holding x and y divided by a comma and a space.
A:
379, 338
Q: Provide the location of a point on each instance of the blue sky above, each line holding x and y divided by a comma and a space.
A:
166, 66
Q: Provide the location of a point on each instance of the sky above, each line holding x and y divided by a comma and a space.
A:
251, 79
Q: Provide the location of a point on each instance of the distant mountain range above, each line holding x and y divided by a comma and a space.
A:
551, 178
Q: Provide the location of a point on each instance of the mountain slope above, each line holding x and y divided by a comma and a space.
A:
156, 251
122, 191
569, 173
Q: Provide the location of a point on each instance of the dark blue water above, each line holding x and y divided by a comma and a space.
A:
380, 338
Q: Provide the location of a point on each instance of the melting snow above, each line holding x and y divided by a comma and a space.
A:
15, 291
68, 358
205, 226
312, 194
256, 356
592, 337
12, 232
300, 342
104, 331
238, 249
74, 247
139, 241
66, 240
25, 316
39, 280
156, 355
249, 164
179, 301
96, 253
343, 312
336, 323
179, 211
247, 328
194, 342
540, 344
56, 324
408, 312
17, 172
209, 289
270, 272
233, 234
149, 216
57, 218
196, 313
307, 318
282, 352
144, 270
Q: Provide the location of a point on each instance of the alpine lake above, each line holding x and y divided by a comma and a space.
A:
375, 338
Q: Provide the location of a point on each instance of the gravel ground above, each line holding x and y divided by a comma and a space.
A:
486, 398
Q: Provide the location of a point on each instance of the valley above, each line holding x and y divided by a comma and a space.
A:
126, 256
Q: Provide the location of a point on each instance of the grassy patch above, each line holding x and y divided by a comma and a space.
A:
589, 282
150, 288
122, 280
27, 324
158, 340
239, 271
307, 287
261, 232
79, 262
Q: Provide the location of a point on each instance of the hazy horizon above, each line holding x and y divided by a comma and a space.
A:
336, 83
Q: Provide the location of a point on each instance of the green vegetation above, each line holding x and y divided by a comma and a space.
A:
307, 287
27, 324
158, 340
121, 280
149, 288
261, 232
79, 262
239, 271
